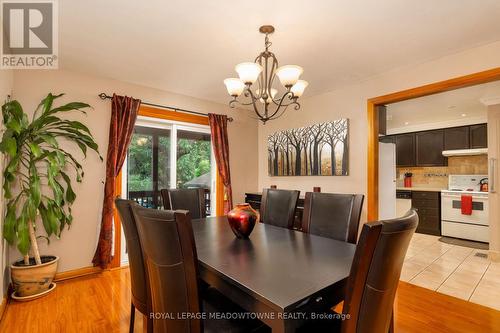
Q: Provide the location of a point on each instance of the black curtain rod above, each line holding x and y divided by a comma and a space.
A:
104, 96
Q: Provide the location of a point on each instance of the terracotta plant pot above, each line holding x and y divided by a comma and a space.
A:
33, 279
242, 219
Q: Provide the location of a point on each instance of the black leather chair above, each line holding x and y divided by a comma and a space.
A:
138, 280
332, 215
172, 269
192, 200
278, 207
373, 280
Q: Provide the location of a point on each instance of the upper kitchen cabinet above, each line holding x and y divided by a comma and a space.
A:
405, 150
429, 148
387, 139
479, 136
456, 138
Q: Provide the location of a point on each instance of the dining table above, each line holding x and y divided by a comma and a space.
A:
278, 275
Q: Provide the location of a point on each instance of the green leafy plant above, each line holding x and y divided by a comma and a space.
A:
38, 172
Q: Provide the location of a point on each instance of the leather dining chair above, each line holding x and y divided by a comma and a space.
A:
278, 207
172, 269
138, 280
192, 200
373, 279
332, 215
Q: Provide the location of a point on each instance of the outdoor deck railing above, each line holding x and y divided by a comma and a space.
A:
152, 199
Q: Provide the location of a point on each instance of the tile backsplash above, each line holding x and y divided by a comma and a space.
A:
438, 176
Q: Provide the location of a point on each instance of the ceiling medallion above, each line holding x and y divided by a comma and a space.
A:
256, 81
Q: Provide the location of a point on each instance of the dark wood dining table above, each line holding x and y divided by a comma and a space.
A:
279, 274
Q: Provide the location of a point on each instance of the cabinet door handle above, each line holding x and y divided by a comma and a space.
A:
492, 176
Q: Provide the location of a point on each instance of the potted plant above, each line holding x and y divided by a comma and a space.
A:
37, 184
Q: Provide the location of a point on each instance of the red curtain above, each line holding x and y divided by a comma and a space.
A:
123, 115
220, 144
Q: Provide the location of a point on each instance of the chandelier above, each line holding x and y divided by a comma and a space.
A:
262, 73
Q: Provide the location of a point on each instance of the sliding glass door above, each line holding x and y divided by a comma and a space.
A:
166, 155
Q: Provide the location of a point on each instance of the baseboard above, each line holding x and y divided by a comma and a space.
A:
75, 273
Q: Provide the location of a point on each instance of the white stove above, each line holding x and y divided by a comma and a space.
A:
454, 223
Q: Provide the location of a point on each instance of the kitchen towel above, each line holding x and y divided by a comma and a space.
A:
466, 204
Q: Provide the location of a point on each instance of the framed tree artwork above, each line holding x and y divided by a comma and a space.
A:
317, 150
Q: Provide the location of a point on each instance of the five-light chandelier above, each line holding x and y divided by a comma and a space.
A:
263, 71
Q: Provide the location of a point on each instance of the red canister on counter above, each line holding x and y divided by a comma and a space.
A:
407, 180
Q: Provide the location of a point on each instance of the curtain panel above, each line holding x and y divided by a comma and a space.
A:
123, 116
220, 144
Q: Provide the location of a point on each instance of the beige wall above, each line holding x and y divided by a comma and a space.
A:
77, 245
6, 82
350, 102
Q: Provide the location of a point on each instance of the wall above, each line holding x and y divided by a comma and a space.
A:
350, 102
77, 245
6, 83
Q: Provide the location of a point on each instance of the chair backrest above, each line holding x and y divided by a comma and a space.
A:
375, 274
332, 215
278, 207
172, 267
192, 200
138, 279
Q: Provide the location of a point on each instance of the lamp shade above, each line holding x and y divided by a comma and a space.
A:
299, 87
269, 98
289, 74
234, 86
248, 71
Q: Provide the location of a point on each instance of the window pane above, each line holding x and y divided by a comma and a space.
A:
148, 165
193, 160
140, 159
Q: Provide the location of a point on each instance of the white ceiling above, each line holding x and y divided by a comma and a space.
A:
453, 107
189, 46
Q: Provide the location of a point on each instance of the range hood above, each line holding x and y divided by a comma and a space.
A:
465, 152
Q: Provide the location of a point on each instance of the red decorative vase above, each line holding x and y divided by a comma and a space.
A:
242, 219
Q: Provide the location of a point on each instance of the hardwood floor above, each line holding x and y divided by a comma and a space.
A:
101, 303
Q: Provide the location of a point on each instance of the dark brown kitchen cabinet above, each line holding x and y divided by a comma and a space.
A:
387, 139
479, 136
456, 138
428, 208
405, 150
429, 148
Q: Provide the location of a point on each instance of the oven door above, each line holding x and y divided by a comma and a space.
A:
451, 209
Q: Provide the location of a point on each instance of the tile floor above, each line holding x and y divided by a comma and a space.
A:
453, 270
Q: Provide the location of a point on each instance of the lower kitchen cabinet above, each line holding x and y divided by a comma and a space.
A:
428, 207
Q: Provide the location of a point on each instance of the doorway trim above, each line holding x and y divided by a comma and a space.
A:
425, 90
151, 112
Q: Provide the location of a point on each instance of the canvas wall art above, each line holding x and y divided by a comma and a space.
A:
317, 150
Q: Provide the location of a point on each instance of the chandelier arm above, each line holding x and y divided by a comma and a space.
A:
272, 74
290, 95
249, 92
236, 101
281, 113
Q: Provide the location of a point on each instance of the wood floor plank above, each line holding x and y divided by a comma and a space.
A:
101, 303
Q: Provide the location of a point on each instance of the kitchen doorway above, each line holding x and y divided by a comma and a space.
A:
455, 268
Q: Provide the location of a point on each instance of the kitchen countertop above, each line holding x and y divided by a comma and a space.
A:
426, 189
